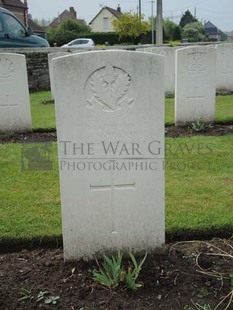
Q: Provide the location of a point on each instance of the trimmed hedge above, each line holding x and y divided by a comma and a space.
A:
109, 38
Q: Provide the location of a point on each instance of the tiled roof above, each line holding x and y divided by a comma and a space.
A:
15, 3
35, 27
64, 15
210, 29
209, 25
114, 12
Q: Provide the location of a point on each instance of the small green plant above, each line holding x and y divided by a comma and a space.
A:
51, 300
133, 273
41, 296
25, 294
205, 307
113, 272
198, 126
110, 273
197, 307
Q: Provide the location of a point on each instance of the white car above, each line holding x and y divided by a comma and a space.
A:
80, 43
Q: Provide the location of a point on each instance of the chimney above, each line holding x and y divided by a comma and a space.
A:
119, 8
26, 13
72, 10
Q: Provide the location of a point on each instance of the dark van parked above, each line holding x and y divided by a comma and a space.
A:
14, 34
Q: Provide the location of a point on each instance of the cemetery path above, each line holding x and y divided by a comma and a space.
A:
170, 131
180, 275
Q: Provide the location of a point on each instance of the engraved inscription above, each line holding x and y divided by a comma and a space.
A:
6, 104
122, 132
197, 99
109, 91
197, 61
113, 187
6, 68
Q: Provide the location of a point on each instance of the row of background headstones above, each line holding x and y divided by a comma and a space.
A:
191, 73
224, 65
14, 99
14, 85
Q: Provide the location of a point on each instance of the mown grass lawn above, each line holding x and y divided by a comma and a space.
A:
199, 178
43, 115
30, 202
199, 191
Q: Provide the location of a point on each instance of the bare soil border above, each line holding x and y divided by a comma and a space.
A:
175, 278
48, 135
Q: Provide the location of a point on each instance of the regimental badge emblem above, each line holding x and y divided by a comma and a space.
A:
110, 92
197, 61
6, 68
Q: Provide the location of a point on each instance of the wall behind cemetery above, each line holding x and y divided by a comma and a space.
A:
37, 66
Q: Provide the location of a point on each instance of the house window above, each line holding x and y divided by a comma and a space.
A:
105, 23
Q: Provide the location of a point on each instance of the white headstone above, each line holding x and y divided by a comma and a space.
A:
169, 58
195, 85
110, 125
15, 115
51, 56
225, 67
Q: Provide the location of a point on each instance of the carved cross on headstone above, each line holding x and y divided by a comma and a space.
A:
6, 104
197, 98
113, 187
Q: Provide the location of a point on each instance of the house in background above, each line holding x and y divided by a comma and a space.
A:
211, 31
37, 30
230, 36
102, 22
71, 14
19, 8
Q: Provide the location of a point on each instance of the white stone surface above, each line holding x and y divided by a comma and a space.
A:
51, 56
195, 85
110, 109
225, 67
15, 115
169, 58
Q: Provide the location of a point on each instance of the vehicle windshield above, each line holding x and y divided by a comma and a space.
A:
79, 42
13, 24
